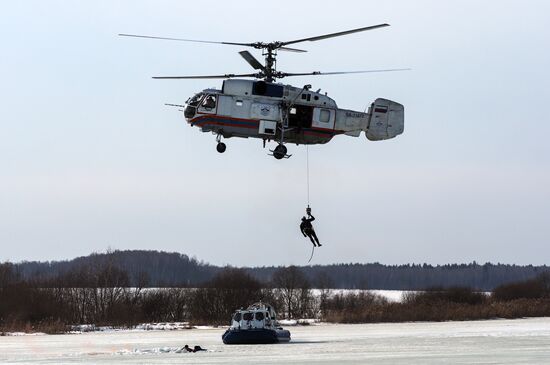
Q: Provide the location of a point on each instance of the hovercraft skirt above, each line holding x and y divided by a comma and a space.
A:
255, 336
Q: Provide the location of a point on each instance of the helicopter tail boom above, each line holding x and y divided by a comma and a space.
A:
386, 119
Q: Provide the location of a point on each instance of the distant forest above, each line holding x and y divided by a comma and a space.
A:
164, 269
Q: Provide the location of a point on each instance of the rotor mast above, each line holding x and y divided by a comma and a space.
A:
270, 63
267, 71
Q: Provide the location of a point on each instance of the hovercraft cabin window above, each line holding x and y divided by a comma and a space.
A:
266, 89
248, 316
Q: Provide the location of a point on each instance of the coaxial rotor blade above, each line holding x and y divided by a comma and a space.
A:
252, 61
319, 73
338, 34
186, 40
288, 49
226, 76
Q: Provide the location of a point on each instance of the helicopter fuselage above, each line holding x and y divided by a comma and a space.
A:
271, 111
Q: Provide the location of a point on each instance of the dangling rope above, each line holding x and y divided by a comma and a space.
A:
312, 251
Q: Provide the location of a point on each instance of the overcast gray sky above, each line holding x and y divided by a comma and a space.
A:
90, 158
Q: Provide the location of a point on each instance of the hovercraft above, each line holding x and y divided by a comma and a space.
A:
256, 324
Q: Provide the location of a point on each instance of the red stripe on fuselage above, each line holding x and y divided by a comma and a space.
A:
253, 124
218, 120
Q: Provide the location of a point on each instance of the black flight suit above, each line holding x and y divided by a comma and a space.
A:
307, 230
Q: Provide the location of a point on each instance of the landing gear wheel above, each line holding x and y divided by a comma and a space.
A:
280, 151
221, 147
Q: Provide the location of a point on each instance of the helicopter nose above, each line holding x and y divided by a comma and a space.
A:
189, 112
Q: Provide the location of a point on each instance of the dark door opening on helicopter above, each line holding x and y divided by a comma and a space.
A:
300, 116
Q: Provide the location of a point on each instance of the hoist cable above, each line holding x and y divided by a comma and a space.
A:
307, 169
307, 183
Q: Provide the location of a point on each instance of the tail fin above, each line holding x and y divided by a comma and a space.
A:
386, 120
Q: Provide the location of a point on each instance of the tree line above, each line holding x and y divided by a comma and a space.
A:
529, 298
163, 269
102, 295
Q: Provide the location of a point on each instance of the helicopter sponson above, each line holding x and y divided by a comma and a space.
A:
273, 111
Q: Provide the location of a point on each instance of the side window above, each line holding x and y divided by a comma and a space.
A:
209, 102
237, 317
324, 116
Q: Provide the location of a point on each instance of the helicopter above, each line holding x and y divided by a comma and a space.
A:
265, 109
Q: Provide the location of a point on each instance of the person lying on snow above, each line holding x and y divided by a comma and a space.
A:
197, 348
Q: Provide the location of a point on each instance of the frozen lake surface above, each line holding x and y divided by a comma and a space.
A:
521, 341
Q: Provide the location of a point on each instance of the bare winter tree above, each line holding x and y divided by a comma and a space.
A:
293, 288
141, 281
323, 283
229, 290
7, 274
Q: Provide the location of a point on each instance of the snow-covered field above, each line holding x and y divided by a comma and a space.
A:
390, 295
521, 341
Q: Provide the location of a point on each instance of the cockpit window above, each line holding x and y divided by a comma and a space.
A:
194, 101
191, 107
248, 316
259, 316
209, 102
